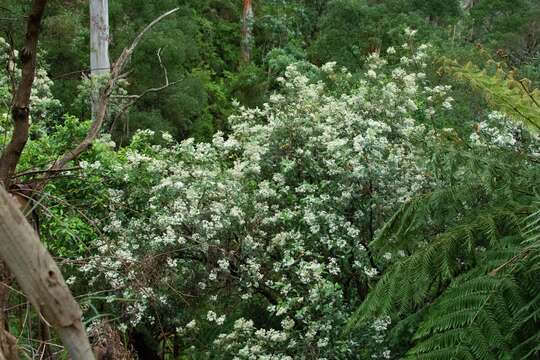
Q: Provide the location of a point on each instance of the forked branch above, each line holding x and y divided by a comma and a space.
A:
104, 96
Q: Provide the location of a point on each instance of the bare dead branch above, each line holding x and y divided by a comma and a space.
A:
162, 66
40, 278
105, 93
36, 172
136, 98
147, 28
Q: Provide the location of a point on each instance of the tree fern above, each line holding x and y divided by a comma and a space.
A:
528, 316
463, 279
473, 315
502, 89
469, 287
488, 316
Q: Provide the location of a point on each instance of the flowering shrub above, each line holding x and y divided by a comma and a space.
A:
276, 216
43, 104
258, 245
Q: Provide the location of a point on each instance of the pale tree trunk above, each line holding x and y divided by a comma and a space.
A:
99, 45
247, 31
467, 5
23, 199
40, 278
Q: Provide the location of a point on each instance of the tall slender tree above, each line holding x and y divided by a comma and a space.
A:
247, 31
99, 44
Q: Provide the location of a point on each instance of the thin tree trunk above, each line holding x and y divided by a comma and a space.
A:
20, 115
20, 111
40, 278
8, 348
247, 31
44, 348
99, 45
22, 196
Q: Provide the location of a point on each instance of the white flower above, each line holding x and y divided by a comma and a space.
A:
329, 67
167, 137
370, 271
220, 320
211, 316
287, 323
223, 264
191, 325
410, 32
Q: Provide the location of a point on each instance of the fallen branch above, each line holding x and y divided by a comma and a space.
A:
40, 278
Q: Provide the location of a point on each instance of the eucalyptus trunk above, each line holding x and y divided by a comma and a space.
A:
99, 45
247, 31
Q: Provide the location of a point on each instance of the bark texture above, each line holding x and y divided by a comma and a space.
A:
40, 279
20, 110
20, 114
99, 44
247, 31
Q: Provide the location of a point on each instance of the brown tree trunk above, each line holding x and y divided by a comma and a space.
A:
20, 111
247, 31
45, 351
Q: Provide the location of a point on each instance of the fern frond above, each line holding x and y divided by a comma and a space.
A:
416, 278
501, 88
472, 315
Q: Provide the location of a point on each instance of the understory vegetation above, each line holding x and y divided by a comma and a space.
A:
366, 186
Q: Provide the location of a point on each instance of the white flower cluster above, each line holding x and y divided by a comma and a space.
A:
497, 131
42, 103
280, 211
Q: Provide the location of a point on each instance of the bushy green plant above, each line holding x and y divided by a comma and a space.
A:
464, 286
279, 215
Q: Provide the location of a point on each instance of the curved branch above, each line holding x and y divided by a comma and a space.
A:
105, 93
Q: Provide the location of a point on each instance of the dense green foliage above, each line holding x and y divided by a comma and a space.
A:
367, 187
201, 43
466, 290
